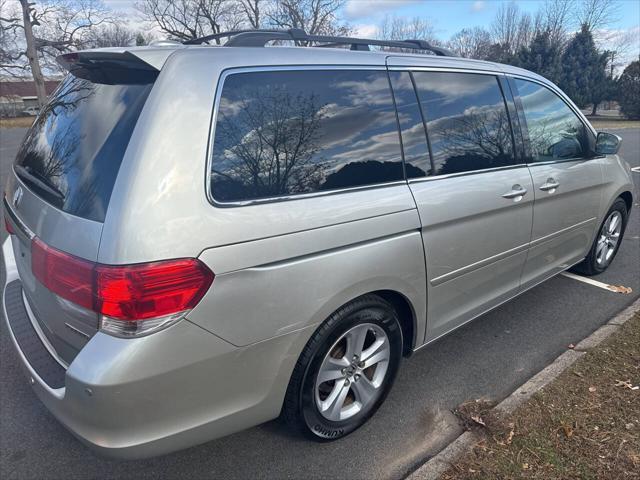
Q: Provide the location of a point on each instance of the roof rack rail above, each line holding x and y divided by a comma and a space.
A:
259, 38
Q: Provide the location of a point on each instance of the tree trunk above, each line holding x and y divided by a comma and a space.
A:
594, 109
32, 55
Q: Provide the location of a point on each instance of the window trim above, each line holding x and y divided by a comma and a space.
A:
512, 128
525, 126
283, 198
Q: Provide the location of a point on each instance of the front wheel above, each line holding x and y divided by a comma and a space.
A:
607, 242
346, 370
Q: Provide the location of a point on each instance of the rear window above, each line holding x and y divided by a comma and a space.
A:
72, 153
282, 133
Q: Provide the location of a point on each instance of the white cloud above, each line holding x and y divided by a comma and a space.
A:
358, 9
479, 5
366, 30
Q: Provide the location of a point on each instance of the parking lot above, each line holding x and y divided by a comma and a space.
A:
488, 358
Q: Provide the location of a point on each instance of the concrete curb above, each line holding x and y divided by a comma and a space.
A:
437, 465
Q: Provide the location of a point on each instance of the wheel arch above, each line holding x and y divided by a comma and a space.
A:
406, 317
628, 199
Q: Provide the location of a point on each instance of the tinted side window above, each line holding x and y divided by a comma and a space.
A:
414, 136
555, 132
291, 132
467, 121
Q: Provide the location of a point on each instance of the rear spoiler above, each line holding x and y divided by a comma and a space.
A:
116, 65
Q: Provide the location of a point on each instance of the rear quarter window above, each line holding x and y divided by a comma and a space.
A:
281, 133
72, 154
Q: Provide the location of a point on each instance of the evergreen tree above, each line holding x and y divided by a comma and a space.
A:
629, 91
541, 57
584, 76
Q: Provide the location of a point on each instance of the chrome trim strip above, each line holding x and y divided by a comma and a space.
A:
219, 88
41, 335
74, 329
562, 160
551, 236
477, 265
463, 174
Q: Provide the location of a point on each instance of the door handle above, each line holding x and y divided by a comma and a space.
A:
517, 192
549, 186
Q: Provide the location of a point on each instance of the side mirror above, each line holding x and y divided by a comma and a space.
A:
607, 143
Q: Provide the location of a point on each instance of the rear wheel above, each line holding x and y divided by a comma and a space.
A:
607, 242
346, 370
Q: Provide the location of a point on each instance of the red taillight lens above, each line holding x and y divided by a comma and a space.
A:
127, 292
7, 226
65, 275
152, 290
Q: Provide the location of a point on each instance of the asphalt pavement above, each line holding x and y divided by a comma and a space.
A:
487, 358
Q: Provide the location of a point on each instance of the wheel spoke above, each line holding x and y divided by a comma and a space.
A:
613, 223
331, 369
335, 401
364, 390
355, 341
377, 352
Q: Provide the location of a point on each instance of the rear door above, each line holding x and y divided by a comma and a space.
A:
474, 195
567, 180
60, 186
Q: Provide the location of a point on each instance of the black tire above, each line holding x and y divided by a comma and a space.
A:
589, 266
300, 409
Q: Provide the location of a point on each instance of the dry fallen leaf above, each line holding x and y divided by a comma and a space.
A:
525, 466
619, 289
510, 436
568, 431
478, 420
592, 389
627, 384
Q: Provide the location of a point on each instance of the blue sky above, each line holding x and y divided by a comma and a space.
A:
450, 16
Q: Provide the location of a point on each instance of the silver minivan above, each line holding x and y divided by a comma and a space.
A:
204, 238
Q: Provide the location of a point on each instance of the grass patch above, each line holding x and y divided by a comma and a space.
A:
584, 425
18, 122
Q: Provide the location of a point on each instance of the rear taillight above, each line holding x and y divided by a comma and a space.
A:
130, 299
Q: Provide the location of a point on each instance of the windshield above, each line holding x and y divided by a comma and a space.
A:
72, 153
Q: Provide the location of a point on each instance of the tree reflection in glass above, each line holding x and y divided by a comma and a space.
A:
289, 132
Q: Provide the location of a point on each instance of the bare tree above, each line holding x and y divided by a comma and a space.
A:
253, 11
189, 19
12, 55
400, 28
504, 27
115, 35
313, 16
557, 20
596, 14
471, 43
47, 30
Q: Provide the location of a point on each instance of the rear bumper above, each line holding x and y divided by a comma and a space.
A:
135, 398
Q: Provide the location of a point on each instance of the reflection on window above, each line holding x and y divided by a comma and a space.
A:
291, 132
72, 153
555, 132
414, 137
467, 121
